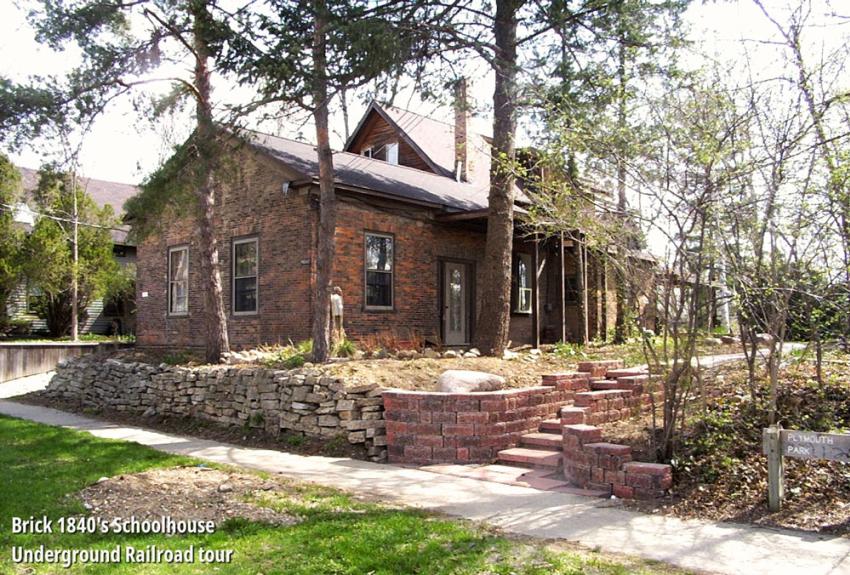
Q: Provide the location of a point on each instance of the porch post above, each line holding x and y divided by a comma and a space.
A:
535, 293
563, 292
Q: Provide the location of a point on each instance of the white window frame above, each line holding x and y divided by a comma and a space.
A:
526, 260
366, 271
238, 242
170, 281
367, 152
32, 291
392, 153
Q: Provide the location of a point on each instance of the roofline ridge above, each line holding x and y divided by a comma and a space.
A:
89, 178
449, 124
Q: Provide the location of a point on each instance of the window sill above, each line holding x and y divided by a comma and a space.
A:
177, 314
374, 309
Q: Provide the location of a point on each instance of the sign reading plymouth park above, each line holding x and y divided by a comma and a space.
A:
780, 443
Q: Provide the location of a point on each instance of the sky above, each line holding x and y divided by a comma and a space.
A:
124, 149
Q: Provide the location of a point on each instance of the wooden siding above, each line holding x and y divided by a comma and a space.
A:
96, 321
376, 133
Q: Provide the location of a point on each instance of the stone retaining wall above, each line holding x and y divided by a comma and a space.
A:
303, 401
431, 427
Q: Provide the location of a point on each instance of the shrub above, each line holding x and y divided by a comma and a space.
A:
294, 361
393, 340
566, 350
345, 348
291, 356
20, 327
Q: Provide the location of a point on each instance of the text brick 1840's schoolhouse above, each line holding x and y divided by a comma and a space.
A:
411, 224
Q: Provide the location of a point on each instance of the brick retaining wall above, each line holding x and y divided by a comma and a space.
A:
431, 427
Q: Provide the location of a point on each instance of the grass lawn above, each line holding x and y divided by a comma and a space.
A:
42, 468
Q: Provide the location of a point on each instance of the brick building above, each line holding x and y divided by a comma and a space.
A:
411, 224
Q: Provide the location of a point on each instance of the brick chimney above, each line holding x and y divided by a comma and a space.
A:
461, 126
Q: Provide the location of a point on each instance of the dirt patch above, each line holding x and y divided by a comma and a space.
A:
183, 494
524, 369
421, 374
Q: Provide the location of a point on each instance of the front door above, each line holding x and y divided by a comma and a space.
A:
455, 303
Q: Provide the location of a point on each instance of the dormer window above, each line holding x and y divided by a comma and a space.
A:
392, 153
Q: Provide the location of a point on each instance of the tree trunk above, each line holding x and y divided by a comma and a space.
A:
75, 263
327, 201
491, 334
620, 327
215, 318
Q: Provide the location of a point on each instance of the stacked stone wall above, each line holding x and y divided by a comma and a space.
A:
304, 401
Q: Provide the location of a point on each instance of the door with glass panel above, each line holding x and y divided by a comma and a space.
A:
455, 303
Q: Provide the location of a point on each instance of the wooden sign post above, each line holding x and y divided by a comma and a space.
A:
779, 443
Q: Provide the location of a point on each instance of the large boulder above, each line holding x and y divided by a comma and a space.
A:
462, 381
764, 339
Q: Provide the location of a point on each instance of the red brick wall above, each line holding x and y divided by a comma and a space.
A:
253, 204
431, 427
420, 245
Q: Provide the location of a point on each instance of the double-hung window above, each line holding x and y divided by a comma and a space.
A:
522, 302
392, 153
379, 271
245, 265
178, 280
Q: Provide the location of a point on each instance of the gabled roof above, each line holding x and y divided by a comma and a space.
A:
433, 140
375, 176
104, 193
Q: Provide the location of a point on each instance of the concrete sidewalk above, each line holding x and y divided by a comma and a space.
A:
24, 385
712, 547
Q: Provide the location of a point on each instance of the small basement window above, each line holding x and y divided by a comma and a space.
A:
245, 265
522, 271
379, 271
178, 280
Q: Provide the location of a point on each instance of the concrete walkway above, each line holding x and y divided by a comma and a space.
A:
711, 547
24, 385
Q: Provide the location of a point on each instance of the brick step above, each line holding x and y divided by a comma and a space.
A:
572, 414
531, 458
550, 426
626, 372
586, 398
607, 385
549, 441
597, 368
